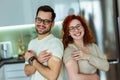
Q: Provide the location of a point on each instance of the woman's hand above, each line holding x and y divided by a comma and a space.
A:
83, 53
44, 56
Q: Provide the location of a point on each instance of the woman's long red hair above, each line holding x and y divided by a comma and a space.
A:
88, 37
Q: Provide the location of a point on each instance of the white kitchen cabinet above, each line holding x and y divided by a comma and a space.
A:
1, 73
15, 12
19, 12
60, 7
15, 72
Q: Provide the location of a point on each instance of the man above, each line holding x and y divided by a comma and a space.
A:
44, 55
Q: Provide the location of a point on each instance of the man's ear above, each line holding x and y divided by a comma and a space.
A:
53, 23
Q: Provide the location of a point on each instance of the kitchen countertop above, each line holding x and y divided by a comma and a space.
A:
11, 61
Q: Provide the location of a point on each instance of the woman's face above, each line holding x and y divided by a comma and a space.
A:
76, 29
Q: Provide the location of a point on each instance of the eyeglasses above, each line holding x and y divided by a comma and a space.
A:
75, 27
45, 21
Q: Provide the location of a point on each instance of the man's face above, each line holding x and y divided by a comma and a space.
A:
43, 22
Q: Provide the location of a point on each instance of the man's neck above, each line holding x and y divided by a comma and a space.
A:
42, 36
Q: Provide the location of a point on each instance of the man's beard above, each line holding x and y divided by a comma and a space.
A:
44, 32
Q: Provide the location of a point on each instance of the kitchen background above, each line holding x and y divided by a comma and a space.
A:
103, 16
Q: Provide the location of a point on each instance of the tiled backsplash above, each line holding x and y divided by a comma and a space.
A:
15, 35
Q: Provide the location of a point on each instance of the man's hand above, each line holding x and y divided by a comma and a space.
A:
44, 56
28, 54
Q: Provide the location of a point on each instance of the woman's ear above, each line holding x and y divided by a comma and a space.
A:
69, 34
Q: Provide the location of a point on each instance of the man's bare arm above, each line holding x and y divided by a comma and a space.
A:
51, 71
29, 70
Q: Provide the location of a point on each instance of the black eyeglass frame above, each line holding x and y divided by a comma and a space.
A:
74, 27
45, 21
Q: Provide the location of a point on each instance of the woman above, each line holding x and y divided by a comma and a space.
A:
81, 55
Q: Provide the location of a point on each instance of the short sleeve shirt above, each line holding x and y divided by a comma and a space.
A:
50, 43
